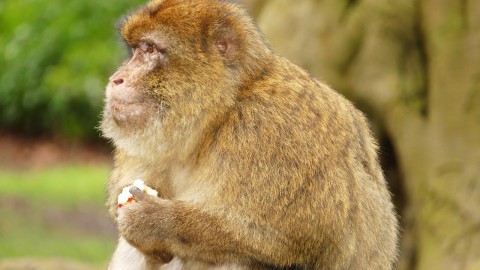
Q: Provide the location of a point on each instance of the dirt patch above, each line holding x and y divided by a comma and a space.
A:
35, 153
82, 219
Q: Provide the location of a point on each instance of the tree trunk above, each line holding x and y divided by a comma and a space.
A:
414, 67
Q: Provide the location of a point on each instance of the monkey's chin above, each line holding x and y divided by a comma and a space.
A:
137, 138
129, 115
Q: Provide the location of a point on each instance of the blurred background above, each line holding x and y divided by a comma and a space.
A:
413, 66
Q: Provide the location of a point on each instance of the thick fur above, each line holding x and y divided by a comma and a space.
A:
258, 165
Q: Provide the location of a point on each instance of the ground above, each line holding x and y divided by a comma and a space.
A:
52, 196
38, 153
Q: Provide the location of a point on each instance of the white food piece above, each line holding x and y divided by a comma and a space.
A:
141, 185
126, 197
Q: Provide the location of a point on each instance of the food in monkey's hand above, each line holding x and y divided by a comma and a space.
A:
126, 197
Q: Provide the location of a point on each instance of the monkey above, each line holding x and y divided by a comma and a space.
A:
257, 164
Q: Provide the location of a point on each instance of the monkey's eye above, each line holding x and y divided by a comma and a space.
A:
147, 48
151, 49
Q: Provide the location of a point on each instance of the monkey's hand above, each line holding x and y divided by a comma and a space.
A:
126, 197
138, 224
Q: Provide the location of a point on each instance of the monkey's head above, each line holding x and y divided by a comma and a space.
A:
188, 62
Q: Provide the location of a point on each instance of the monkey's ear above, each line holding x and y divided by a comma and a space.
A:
227, 41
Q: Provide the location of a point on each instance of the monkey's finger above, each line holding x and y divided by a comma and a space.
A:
137, 194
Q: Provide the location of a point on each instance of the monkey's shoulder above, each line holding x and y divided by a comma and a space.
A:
288, 95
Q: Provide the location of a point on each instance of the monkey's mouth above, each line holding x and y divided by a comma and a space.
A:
129, 113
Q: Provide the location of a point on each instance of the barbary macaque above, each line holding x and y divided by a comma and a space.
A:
257, 164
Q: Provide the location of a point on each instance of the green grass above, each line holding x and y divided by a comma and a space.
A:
38, 214
71, 185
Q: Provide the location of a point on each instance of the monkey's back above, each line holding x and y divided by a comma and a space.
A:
309, 170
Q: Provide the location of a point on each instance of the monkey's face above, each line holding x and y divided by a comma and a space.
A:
186, 57
131, 108
136, 103
126, 103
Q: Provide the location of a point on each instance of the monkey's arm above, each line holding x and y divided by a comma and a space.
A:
183, 229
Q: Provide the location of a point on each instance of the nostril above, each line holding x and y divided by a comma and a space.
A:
118, 81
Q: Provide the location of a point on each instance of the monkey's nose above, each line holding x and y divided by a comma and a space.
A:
117, 81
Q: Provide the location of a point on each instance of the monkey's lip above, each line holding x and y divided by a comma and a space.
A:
122, 102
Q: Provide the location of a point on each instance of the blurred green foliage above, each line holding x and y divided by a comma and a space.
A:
55, 59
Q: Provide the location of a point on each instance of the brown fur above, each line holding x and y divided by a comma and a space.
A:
257, 164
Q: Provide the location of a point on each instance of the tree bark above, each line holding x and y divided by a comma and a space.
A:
414, 67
